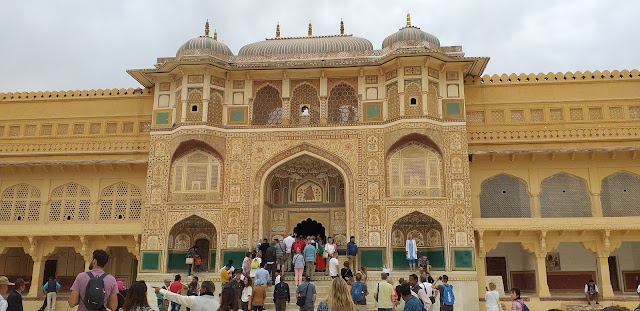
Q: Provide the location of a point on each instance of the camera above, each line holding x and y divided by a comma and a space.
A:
440, 278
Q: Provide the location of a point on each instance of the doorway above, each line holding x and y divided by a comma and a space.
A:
310, 227
613, 273
498, 266
50, 267
203, 251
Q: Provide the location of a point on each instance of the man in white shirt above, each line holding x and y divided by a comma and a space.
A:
333, 266
288, 242
638, 290
591, 292
329, 248
205, 302
4, 286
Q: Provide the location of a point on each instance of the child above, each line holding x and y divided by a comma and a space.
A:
197, 261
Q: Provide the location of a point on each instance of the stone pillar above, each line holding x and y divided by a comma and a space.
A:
37, 275
183, 117
596, 205
205, 110
535, 205
286, 111
542, 287
482, 271
604, 281
324, 112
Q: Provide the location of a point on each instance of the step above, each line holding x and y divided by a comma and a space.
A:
583, 307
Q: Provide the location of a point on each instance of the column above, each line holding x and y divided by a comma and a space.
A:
183, 117
535, 205
286, 111
205, 110
37, 275
324, 112
596, 205
482, 271
542, 287
604, 278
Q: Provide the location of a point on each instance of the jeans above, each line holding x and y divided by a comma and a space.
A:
257, 308
175, 306
271, 267
385, 309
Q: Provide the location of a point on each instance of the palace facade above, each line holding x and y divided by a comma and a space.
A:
529, 181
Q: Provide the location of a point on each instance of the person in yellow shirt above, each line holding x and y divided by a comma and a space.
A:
224, 276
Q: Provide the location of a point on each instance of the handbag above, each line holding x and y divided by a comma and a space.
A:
188, 261
302, 299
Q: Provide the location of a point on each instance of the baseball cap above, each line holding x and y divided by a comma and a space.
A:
20, 282
5, 281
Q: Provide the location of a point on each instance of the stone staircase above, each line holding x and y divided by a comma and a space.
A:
583, 307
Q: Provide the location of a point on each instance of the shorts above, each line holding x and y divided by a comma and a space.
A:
412, 261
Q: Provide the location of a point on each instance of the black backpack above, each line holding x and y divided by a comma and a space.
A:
280, 292
94, 293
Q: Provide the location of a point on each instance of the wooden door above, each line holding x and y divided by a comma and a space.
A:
498, 266
613, 273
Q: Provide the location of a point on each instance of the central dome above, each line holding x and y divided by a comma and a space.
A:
204, 45
411, 34
306, 45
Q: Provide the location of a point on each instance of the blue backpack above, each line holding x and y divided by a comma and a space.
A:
356, 292
448, 298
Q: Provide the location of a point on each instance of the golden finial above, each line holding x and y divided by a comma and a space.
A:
206, 28
278, 30
215, 35
310, 31
408, 19
341, 27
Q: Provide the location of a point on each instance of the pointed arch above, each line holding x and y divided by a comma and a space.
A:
414, 170
121, 201
620, 195
20, 202
70, 202
428, 234
196, 176
342, 105
267, 106
504, 196
304, 94
564, 195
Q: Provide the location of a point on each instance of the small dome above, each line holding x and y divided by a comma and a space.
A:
307, 45
204, 45
411, 34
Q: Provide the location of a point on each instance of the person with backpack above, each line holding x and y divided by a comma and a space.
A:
339, 298
517, 304
359, 293
420, 292
281, 295
136, 299
95, 289
306, 295
51, 288
447, 298
255, 264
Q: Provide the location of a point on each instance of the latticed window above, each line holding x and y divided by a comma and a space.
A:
70, 202
432, 99
196, 177
393, 101
416, 171
20, 202
304, 95
122, 201
504, 196
620, 195
413, 99
563, 195
215, 108
267, 107
343, 104
194, 105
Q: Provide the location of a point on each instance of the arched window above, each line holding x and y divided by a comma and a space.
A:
267, 107
563, 195
196, 177
304, 95
504, 196
415, 170
121, 201
194, 105
70, 202
343, 104
620, 195
20, 202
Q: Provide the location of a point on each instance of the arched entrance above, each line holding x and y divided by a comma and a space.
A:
429, 237
191, 231
310, 227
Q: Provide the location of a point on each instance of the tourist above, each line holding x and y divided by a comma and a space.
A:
352, 252
411, 303
229, 300
339, 298
247, 291
309, 259
263, 247
288, 242
320, 262
384, 294
14, 301
492, 298
4, 286
329, 249
308, 291
281, 250
51, 288
164, 303
298, 266
225, 277
99, 260
258, 297
246, 264
363, 272
190, 254
423, 265
333, 266
122, 293
359, 292
277, 278
517, 304
237, 284
176, 288
205, 302
420, 292
411, 248
255, 264
447, 299
262, 275
194, 288
197, 262
345, 272
299, 244
231, 269
426, 282
591, 292
137, 298
281, 295
270, 257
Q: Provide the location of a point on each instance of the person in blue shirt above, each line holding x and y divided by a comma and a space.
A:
310, 259
51, 288
262, 275
352, 252
411, 303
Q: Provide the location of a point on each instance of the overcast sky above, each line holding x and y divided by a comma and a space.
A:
63, 44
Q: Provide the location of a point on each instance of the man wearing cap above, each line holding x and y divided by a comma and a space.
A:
4, 286
15, 298
164, 303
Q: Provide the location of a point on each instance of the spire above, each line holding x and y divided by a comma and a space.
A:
215, 35
206, 28
310, 29
341, 27
278, 30
408, 19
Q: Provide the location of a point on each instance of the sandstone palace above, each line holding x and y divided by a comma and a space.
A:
529, 181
